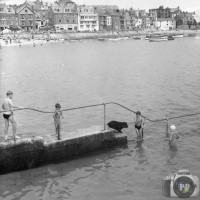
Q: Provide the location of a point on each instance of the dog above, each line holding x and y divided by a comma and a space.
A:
118, 126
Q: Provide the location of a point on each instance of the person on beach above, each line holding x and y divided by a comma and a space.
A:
139, 124
171, 133
57, 115
8, 115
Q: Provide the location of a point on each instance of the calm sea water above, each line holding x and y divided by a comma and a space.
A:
159, 79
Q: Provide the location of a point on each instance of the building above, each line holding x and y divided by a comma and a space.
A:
146, 22
103, 25
8, 17
26, 17
41, 13
140, 13
163, 12
165, 24
153, 16
160, 12
196, 16
126, 20
87, 18
139, 22
185, 20
64, 16
175, 12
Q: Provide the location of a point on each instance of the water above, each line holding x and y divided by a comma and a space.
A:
159, 79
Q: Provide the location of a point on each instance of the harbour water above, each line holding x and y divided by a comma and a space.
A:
159, 79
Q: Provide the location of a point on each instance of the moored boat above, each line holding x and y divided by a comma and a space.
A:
170, 37
178, 36
137, 38
114, 39
158, 39
192, 34
101, 39
125, 38
147, 37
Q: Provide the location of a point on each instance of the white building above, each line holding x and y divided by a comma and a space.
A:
138, 23
165, 24
87, 18
197, 17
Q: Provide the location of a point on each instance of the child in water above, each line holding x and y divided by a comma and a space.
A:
171, 132
139, 124
57, 115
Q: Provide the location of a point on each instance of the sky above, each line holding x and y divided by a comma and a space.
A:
189, 5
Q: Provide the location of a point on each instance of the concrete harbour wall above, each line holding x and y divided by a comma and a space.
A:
33, 152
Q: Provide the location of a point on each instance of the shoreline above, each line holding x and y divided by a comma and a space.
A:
25, 39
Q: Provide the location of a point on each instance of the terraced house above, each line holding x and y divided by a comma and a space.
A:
8, 18
64, 16
87, 18
26, 17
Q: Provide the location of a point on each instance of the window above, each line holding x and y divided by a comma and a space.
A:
31, 16
60, 20
1, 9
85, 10
82, 17
26, 11
9, 9
22, 16
31, 23
23, 23
67, 10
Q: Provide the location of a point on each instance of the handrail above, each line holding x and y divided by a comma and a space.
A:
104, 104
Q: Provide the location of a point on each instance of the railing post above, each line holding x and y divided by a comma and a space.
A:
104, 105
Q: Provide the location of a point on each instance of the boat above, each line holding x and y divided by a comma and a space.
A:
147, 37
137, 38
157, 39
114, 39
124, 38
178, 36
192, 34
101, 39
170, 37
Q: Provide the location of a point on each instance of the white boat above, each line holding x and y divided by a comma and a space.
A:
178, 36
125, 38
157, 39
114, 39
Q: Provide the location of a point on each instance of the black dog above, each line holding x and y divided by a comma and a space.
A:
118, 126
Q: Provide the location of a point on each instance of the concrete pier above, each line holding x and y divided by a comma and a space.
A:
32, 152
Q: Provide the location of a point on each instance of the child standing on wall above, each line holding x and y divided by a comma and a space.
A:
57, 115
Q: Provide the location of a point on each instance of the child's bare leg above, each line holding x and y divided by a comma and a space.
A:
6, 128
14, 124
136, 130
140, 132
58, 130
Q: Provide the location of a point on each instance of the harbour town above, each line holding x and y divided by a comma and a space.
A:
38, 22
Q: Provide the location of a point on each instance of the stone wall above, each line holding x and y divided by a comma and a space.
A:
33, 152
